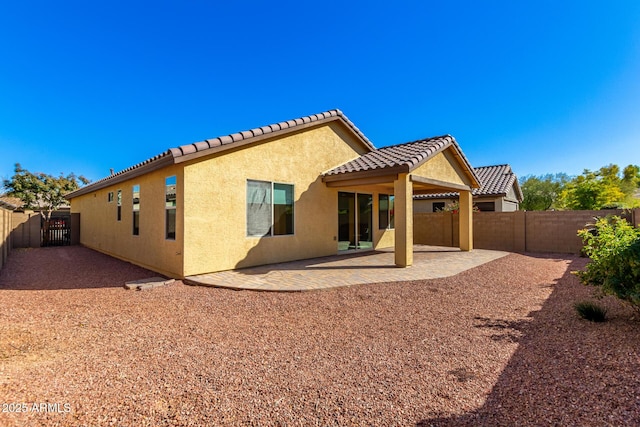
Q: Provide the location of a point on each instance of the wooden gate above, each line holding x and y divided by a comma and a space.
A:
56, 231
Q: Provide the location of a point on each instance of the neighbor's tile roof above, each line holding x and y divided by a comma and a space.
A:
404, 157
203, 148
496, 180
9, 202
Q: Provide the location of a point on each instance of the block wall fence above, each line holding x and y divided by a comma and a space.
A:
26, 230
5, 234
520, 231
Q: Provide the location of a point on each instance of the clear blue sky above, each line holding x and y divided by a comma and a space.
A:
546, 86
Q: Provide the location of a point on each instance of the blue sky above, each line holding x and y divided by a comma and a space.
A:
545, 86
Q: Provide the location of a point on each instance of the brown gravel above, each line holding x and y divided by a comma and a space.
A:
496, 345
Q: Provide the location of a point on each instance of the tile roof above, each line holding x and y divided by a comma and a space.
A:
276, 128
402, 157
496, 180
11, 203
208, 146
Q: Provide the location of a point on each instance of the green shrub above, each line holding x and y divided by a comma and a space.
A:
614, 248
591, 311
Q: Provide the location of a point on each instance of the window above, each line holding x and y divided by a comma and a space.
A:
438, 206
269, 208
136, 210
486, 206
119, 203
282, 209
110, 197
170, 208
385, 211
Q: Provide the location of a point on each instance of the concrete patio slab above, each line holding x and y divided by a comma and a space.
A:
429, 262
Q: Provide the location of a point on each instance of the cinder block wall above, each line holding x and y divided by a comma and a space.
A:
5, 235
433, 228
25, 230
557, 231
517, 231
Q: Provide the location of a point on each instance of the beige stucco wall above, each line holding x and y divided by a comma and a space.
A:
100, 230
211, 205
215, 196
443, 167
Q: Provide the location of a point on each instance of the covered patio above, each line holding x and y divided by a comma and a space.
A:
429, 262
427, 166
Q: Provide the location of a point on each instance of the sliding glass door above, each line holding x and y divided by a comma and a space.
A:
355, 221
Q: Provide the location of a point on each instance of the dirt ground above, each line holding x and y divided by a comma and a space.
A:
499, 344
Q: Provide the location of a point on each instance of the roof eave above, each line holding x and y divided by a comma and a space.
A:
180, 157
369, 173
135, 172
210, 146
7, 206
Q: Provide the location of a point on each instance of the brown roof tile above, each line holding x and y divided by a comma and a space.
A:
173, 155
281, 126
496, 180
405, 156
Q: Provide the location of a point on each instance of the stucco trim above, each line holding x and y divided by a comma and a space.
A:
372, 180
438, 183
350, 176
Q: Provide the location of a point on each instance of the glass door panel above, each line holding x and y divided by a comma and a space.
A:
365, 222
355, 221
346, 221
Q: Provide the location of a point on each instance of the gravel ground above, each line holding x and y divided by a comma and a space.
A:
496, 345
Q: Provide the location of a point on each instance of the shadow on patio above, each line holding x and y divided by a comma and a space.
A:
430, 262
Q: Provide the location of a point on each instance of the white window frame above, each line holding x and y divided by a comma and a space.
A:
293, 207
389, 198
168, 208
135, 209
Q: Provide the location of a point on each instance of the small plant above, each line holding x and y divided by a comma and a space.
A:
591, 311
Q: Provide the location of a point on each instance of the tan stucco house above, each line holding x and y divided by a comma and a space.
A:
499, 192
303, 188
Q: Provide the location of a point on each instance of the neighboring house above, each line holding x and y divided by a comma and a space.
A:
13, 202
499, 192
19, 205
298, 189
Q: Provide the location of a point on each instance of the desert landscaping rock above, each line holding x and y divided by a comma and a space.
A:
497, 345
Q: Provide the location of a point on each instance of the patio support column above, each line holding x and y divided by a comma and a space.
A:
466, 221
403, 217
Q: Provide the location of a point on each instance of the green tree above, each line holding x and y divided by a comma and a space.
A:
630, 185
601, 189
42, 192
541, 193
